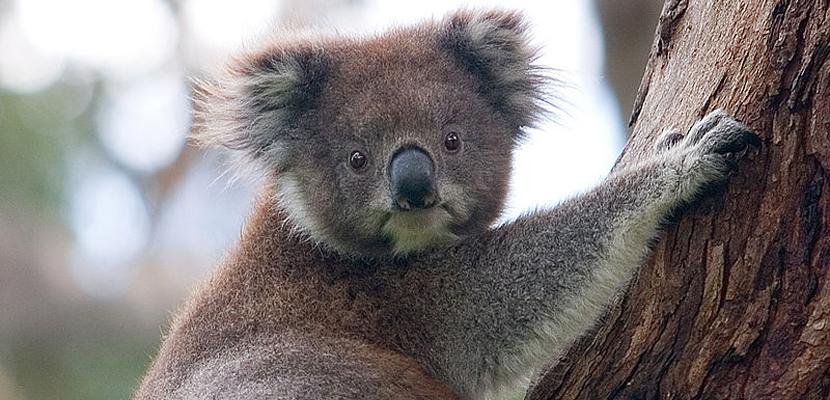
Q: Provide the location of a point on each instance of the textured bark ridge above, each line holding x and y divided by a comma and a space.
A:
735, 302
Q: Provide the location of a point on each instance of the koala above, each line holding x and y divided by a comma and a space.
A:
369, 267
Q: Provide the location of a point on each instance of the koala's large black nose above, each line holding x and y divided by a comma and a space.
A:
411, 176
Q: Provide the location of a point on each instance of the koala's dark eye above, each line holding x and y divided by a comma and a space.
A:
452, 142
357, 160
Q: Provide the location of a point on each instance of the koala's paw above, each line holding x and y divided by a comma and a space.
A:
707, 154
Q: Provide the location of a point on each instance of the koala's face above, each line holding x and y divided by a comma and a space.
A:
387, 145
400, 153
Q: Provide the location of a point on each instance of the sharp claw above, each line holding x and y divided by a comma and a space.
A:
753, 139
731, 163
732, 147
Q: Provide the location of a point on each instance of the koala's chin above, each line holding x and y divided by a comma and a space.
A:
416, 231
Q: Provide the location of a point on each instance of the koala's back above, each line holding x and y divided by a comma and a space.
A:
296, 366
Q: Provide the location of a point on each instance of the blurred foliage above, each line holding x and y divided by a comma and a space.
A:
78, 369
37, 132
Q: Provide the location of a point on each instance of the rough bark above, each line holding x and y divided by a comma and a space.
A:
735, 302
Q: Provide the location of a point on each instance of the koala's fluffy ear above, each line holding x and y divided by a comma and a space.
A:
259, 101
494, 47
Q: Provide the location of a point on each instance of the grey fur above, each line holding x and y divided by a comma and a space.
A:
333, 293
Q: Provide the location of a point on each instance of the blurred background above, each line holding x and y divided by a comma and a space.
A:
108, 215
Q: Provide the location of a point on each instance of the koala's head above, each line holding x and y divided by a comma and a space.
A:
386, 145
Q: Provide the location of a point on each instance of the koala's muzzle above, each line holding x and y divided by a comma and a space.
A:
411, 176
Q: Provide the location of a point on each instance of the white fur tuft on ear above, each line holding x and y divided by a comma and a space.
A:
495, 48
258, 102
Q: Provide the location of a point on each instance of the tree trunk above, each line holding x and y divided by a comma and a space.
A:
735, 301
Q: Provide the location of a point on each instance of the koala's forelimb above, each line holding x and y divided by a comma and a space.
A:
542, 281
